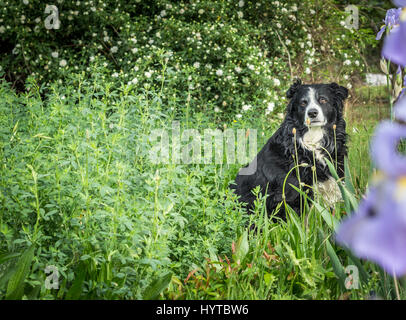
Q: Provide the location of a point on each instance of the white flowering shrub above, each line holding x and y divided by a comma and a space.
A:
217, 56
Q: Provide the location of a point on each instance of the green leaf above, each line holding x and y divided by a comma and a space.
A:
9, 255
77, 286
337, 266
153, 291
348, 178
242, 247
331, 221
350, 202
15, 287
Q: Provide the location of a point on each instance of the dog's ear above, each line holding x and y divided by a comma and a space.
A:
293, 88
340, 91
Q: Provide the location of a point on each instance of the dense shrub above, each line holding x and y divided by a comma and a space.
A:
221, 55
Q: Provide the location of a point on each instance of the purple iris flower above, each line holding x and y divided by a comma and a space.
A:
391, 19
384, 148
377, 231
394, 47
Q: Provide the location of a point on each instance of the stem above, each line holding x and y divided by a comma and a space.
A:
396, 286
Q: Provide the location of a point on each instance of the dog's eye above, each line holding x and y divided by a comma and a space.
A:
323, 100
303, 103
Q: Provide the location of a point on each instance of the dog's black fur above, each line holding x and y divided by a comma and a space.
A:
276, 158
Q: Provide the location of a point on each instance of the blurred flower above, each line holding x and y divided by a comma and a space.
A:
395, 45
377, 231
400, 3
384, 149
400, 109
246, 107
63, 63
391, 19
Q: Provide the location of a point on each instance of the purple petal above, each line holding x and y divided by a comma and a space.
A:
379, 35
377, 231
392, 16
400, 3
384, 148
394, 48
400, 108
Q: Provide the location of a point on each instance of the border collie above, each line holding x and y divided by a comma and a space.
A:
314, 118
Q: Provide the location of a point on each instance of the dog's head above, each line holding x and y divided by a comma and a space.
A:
316, 104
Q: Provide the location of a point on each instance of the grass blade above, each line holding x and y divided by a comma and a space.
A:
15, 287
153, 291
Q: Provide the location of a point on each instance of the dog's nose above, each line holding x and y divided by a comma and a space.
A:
312, 113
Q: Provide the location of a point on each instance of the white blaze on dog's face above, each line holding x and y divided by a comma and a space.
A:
314, 115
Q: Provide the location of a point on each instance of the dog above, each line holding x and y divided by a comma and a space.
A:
313, 130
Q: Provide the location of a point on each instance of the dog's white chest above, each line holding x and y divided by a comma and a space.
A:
312, 141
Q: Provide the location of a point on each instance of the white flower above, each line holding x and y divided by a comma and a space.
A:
250, 66
276, 82
106, 38
115, 75
237, 69
270, 106
294, 8
347, 62
63, 63
240, 14
241, 3
148, 74
356, 62
196, 65
134, 50
288, 42
312, 11
238, 116
349, 86
134, 81
26, 2
246, 107
163, 13
54, 54
114, 49
219, 72
216, 109
308, 71
201, 11
278, 25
